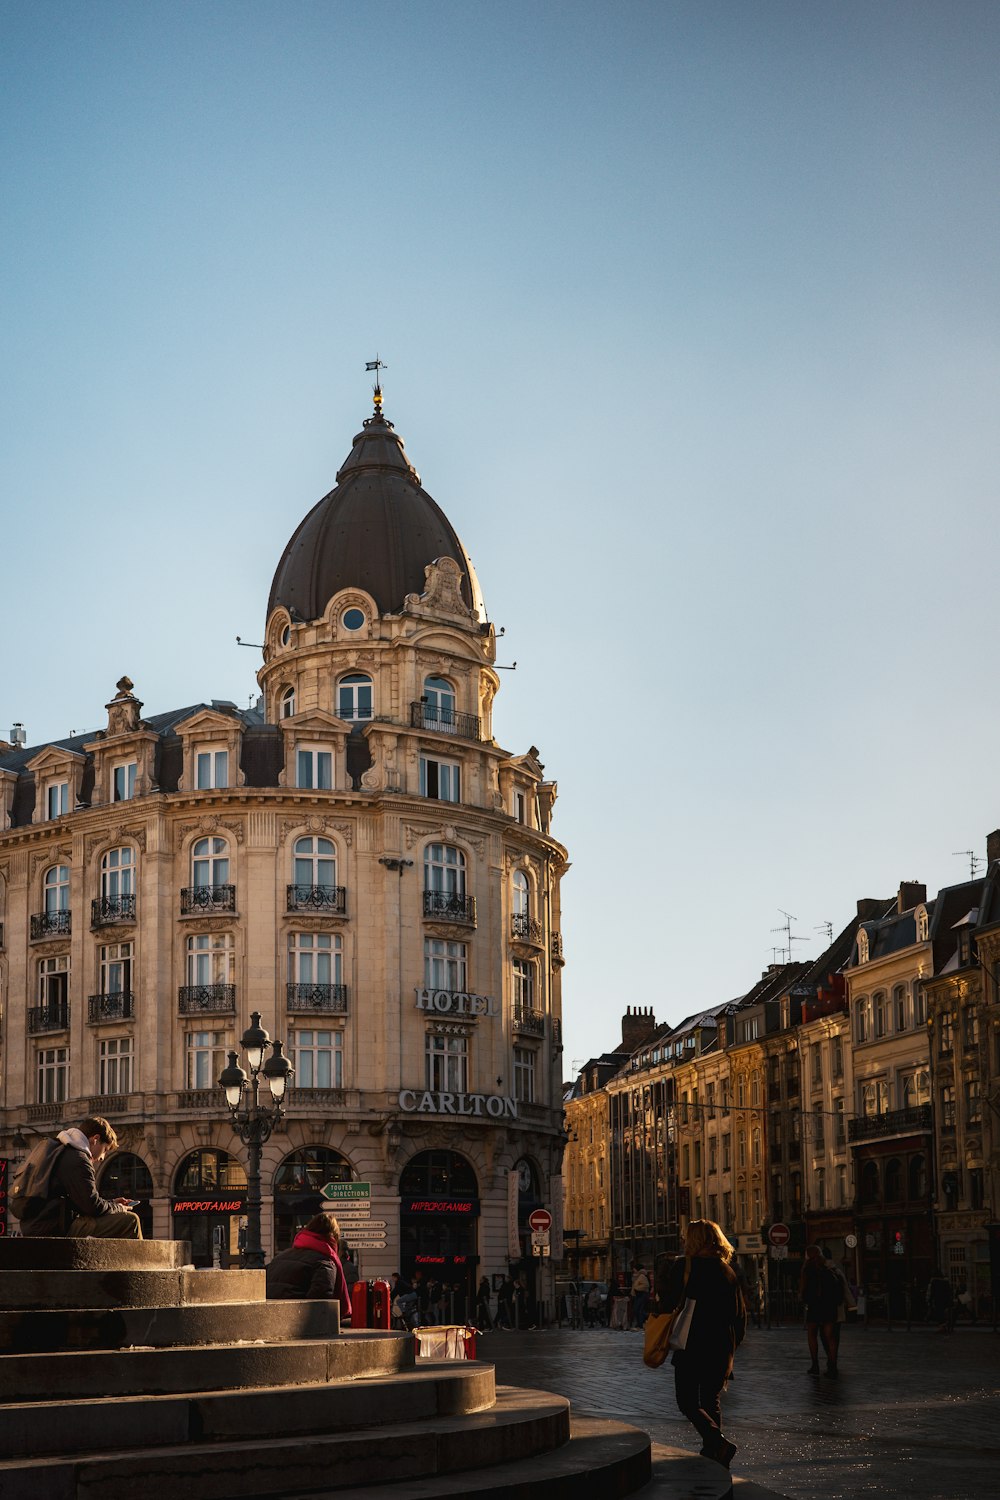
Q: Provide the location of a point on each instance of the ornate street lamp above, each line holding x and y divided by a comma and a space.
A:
252, 1120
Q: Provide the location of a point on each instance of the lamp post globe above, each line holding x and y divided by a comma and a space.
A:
253, 1120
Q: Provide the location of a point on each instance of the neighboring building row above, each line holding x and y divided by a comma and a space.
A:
357, 859
854, 1101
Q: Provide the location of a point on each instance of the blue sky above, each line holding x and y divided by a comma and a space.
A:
690, 313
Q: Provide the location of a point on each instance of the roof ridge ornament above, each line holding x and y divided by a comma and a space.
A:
377, 364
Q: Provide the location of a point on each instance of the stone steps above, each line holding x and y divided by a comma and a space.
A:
74, 1375
52, 1429
27, 1331
522, 1426
43, 1254
127, 1287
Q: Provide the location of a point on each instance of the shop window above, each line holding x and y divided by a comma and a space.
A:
298, 1185
210, 1171
438, 1174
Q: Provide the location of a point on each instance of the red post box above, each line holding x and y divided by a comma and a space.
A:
379, 1299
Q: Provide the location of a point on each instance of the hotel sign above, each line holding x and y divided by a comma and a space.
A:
472, 1106
456, 1003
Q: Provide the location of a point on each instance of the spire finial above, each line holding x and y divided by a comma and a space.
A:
377, 364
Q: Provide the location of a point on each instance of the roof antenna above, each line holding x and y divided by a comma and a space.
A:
826, 928
975, 860
377, 364
786, 928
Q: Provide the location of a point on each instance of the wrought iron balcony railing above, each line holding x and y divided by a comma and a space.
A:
527, 929
203, 898
194, 999
329, 999
449, 906
51, 924
118, 1006
445, 721
53, 1017
318, 898
107, 910
532, 1022
916, 1119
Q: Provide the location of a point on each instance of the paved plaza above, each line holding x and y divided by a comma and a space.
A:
913, 1413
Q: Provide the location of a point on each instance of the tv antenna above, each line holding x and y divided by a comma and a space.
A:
975, 860
826, 928
790, 938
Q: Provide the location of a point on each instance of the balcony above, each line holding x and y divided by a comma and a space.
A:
449, 906
324, 999
119, 1006
51, 924
445, 721
204, 999
526, 929
211, 1099
196, 900
53, 1017
916, 1120
108, 1104
107, 911
331, 1098
529, 1022
328, 899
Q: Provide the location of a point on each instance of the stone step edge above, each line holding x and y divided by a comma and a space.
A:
212, 1471
27, 1417
613, 1457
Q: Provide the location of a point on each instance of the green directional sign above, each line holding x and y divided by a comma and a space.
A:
347, 1192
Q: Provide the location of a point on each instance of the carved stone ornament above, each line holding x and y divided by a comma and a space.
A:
211, 824
442, 591
104, 841
314, 825
371, 780
209, 924
124, 710
49, 857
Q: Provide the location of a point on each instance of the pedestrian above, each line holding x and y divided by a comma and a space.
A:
718, 1326
592, 1306
619, 1303
640, 1295
820, 1293
845, 1305
484, 1322
505, 1303
55, 1192
312, 1267
939, 1302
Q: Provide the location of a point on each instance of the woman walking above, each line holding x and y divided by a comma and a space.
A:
718, 1324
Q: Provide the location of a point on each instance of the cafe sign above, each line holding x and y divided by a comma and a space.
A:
472, 1106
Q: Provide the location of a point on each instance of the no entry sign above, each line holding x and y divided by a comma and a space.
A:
539, 1218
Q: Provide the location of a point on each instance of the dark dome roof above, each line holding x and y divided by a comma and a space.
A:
377, 531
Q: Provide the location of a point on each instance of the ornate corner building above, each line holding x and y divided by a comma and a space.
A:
357, 859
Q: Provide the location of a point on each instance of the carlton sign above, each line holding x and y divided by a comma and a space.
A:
428, 1102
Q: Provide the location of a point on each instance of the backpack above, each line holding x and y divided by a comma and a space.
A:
31, 1188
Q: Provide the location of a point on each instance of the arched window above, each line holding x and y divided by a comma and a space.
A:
520, 894
127, 1176
56, 886
894, 1180
863, 1020
438, 703
899, 1008
354, 696
862, 946
210, 959
210, 862
118, 874
286, 703
756, 1154
314, 863
209, 1171
755, 1089
880, 1013
297, 1189
917, 1173
445, 1174
444, 883
869, 1183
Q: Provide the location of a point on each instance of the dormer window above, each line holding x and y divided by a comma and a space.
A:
354, 696
286, 635
314, 769
352, 619
520, 807
922, 924
57, 799
862, 946
441, 779
123, 781
211, 769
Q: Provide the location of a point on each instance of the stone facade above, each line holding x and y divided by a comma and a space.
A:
358, 860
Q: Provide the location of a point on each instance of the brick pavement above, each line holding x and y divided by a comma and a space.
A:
913, 1412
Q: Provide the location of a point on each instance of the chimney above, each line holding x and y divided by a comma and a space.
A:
993, 846
911, 893
637, 1026
17, 734
869, 909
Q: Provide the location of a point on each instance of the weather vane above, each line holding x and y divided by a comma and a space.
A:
377, 364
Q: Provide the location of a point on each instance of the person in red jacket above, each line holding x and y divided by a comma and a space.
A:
311, 1268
